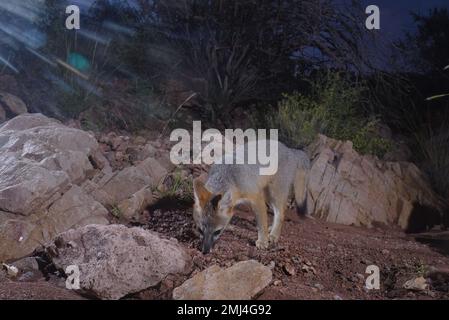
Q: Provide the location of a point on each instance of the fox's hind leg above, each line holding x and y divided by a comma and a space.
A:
300, 188
278, 205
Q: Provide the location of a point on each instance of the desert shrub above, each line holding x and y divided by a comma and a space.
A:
71, 104
236, 52
230, 53
127, 107
367, 141
432, 144
332, 107
433, 151
176, 186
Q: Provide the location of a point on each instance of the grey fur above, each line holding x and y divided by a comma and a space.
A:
243, 182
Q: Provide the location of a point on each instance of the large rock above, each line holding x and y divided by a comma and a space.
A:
129, 191
29, 121
127, 182
41, 164
54, 178
242, 281
115, 261
20, 235
39, 157
348, 188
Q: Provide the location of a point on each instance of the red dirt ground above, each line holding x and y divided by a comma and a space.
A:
319, 260
313, 260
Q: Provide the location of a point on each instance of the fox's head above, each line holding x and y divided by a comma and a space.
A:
211, 213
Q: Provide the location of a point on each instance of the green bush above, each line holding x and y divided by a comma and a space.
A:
428, 132
331, 108
432, 145
73, 103
366, 140
433, 151
130, 108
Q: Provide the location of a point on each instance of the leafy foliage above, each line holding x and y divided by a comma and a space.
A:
432, 38
332, 108
433, 152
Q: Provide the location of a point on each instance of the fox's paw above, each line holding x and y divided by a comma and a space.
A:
262, 244
273, 239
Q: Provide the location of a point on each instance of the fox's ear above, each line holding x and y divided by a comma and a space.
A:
215, 200
202, 195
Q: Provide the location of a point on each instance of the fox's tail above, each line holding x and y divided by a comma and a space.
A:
300, 184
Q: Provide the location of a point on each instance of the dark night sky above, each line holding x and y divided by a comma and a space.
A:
395, 14
395, 20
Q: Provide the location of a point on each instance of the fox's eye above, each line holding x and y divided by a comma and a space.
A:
201, 231
217, 232
215, 200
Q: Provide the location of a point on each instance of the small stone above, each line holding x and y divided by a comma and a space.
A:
120, 156
289, 269
14, 104
385, 252
11, 270
337, 297
360, 276
417, 284
308, 269
139, 140
116, 142
319, 286
431, 294
296, 259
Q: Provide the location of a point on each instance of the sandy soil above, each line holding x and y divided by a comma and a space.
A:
319, 260
313, 260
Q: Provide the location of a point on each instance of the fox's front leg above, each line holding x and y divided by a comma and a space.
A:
275, 229
260, 209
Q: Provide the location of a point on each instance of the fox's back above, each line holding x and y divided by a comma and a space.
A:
247, 178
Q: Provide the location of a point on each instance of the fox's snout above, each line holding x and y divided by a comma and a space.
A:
205, 248
207, 244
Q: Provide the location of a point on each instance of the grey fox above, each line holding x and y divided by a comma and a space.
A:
229, 186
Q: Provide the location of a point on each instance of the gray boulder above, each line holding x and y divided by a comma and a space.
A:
42, 162
39, 157
243, 281
348, 188
115, 261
